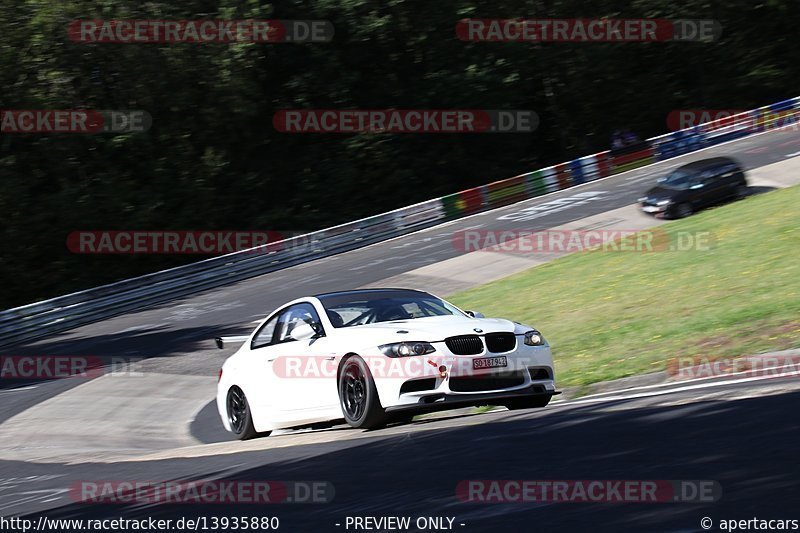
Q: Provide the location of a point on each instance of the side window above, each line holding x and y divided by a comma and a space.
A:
291, 317
708, 177
264, 335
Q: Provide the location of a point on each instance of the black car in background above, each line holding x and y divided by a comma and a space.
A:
694, 186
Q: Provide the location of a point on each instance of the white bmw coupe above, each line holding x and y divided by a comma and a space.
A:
376, 356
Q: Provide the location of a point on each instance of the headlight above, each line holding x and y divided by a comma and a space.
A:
406, 349
642, 199
664, 202
534, 338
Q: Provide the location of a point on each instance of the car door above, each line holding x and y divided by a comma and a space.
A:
305, 368
732, 178
706, 188
258, 377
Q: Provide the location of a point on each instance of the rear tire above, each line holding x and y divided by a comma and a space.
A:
742, 192
358, 396
529, 402
240, 417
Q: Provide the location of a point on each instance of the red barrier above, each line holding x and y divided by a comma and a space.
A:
563, 175
603, 164
472, 200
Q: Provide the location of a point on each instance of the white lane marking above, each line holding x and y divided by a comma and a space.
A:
18, 390
554, 206
139, 327
647, 176
794, 154
438, 236
34, 496
377, 262
29, 496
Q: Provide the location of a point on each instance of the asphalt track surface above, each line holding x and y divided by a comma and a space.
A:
742, 435
747, 444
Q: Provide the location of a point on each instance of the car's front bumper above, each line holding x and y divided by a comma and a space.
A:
453, 379
658, 211
432, 402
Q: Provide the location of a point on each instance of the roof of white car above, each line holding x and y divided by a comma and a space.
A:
357, 291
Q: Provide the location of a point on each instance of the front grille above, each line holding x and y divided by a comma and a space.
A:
500, 342
484, 383
417, 385
538, 374
464, 345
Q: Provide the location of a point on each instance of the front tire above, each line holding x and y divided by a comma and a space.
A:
358, 396
529, 402
240, 417
683, 210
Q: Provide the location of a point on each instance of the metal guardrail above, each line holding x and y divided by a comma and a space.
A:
72, 310
76, 309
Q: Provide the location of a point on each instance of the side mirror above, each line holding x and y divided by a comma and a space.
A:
475, 314
303, 332
224, 342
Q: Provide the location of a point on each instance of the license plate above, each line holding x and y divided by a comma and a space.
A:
489, 362
651, 209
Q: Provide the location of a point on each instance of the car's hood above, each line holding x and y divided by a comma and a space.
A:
658, 193
435, 328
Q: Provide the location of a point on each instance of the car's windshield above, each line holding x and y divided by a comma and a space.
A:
356, 308
678, 179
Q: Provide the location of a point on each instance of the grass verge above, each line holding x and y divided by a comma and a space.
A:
615, 314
